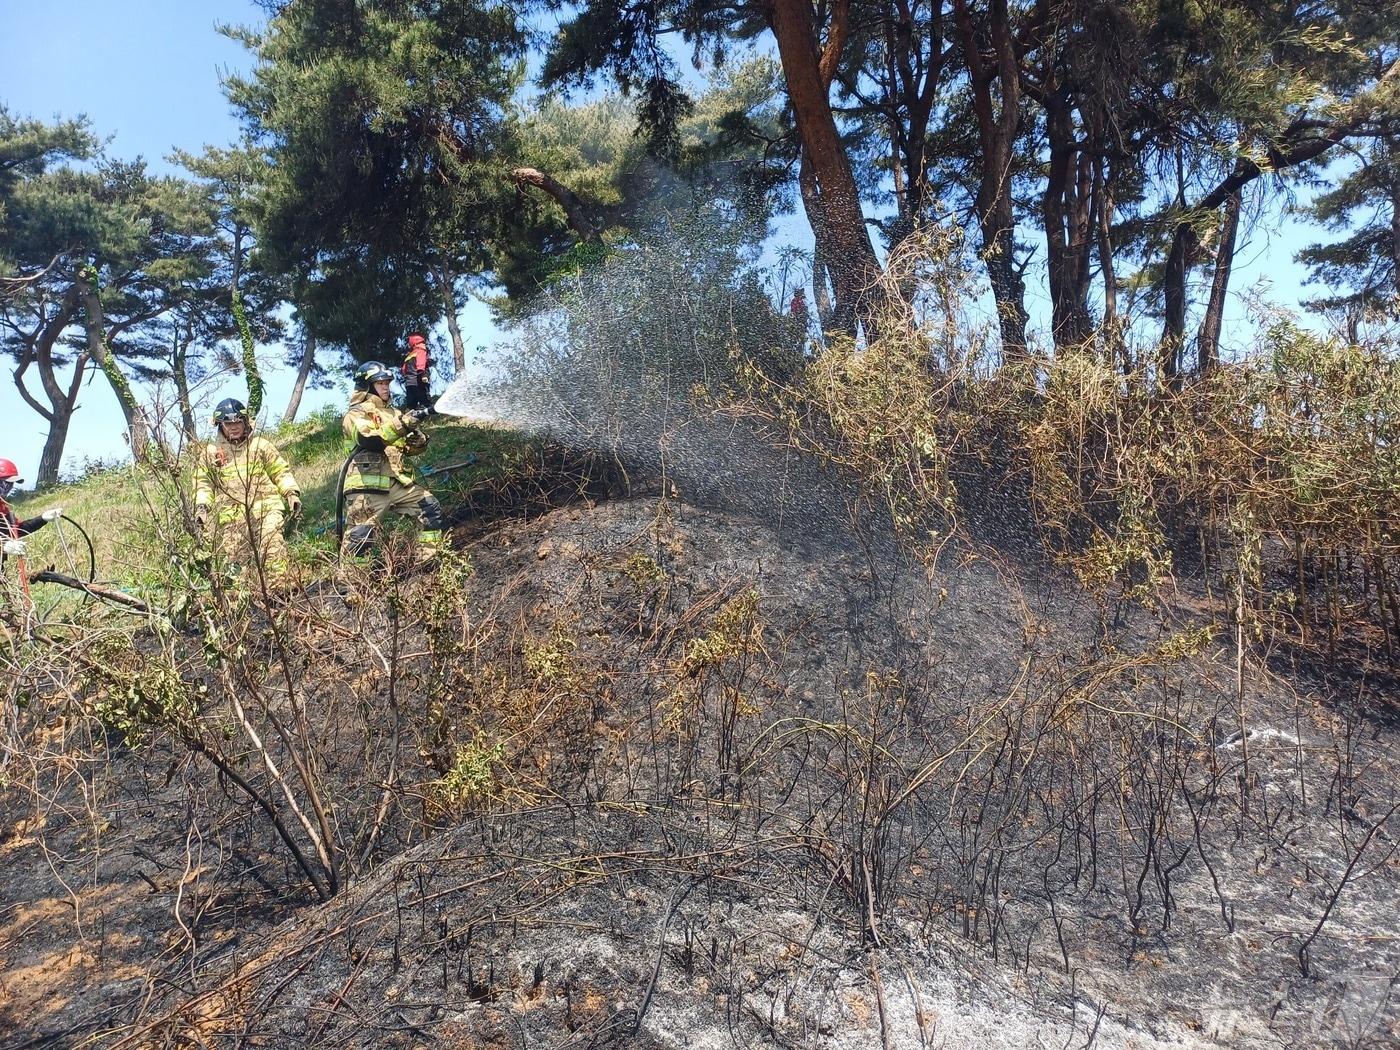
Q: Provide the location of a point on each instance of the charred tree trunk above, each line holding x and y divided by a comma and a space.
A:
821, 250
1008, 286
1115, 348
308, 358
998, 125
852, 262
1184, 242
181, 376
1208, 341
1066, 209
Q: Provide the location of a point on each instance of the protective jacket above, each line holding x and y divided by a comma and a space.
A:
415, 362
383, 443
250, 474
379, 479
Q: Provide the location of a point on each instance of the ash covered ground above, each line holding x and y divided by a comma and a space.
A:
716, 762
904, 808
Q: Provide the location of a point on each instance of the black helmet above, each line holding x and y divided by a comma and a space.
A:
230, 410
369, 373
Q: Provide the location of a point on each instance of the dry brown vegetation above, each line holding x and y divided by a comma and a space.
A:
996, 743
1275, 479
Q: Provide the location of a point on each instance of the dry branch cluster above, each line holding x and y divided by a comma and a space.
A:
600, 735
761, 760
1278, 474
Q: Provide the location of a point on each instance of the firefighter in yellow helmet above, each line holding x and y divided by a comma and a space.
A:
241, 487
378, 477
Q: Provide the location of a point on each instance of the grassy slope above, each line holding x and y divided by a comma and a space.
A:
118, 506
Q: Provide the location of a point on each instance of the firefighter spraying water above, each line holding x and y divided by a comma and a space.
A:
378, 477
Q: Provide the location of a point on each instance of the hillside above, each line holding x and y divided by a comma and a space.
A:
643, 772
919, 553
124, 510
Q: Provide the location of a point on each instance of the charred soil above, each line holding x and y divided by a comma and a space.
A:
661, 775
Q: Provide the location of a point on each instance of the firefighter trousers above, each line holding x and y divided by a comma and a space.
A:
365, 509
417, 395
245, 537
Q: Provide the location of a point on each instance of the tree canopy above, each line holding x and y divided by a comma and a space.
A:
399, 155
383, 124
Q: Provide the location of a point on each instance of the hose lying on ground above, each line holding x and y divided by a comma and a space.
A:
92, 551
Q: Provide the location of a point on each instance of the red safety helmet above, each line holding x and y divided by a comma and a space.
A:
10, 472
415, 340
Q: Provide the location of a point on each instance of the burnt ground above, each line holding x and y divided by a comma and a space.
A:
1094, 843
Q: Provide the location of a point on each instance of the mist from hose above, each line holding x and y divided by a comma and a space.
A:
631, 357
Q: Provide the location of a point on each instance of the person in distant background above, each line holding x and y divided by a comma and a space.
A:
11, 527
797, 309
415, 374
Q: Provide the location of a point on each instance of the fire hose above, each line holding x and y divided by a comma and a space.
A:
87, 586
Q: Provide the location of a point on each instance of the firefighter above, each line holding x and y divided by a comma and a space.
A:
11, 527
242, 486
378, 477
797, 309
415, 374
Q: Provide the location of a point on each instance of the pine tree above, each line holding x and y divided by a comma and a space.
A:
240, 297
1362, 270
385, 124
625, 41
93, 258
730, 154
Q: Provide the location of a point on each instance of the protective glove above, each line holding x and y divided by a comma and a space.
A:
52, 514
294, 505
13, 548
422, 377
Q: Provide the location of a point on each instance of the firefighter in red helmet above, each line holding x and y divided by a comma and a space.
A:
11, 527
414, 372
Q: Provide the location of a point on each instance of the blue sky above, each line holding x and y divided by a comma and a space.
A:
147, 73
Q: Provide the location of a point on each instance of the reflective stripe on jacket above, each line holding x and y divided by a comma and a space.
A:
249, 474
415, 361
372, 469
369, 472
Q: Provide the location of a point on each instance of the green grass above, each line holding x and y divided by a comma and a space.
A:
122, 508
